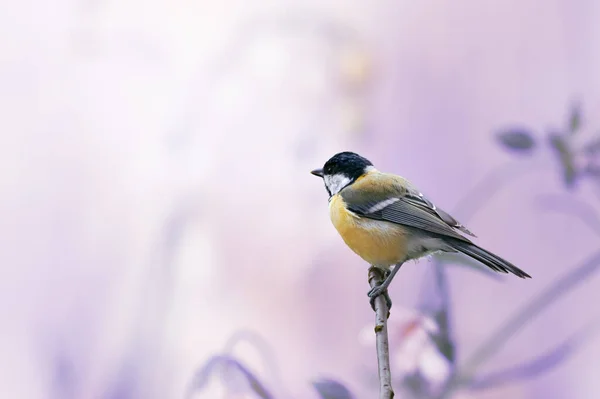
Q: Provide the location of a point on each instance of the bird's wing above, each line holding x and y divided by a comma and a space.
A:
418, 199
399, 203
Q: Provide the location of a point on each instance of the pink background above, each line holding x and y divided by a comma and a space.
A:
156, 195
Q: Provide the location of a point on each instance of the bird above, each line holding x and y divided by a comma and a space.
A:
387, 221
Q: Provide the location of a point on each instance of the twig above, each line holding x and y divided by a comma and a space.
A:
381, 337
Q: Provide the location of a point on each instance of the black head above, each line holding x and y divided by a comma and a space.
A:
341, 170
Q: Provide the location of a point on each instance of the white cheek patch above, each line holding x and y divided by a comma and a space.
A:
336, 182
383, 204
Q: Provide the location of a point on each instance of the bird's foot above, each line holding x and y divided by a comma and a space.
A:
377, 291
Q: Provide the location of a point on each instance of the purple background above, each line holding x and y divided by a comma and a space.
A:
156, 195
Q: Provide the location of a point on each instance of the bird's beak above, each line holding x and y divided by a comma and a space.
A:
317, 172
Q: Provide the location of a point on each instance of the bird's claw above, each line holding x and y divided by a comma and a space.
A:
377, 291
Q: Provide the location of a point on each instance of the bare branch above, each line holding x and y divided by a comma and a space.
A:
381, 337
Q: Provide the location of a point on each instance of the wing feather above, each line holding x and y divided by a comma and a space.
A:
400, 203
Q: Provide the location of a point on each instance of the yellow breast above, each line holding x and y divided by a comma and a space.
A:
378, 242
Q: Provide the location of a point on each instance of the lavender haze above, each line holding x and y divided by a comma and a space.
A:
156, 196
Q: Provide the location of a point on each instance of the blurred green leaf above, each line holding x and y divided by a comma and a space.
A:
331, 389
517, 139
565, 157
575, 119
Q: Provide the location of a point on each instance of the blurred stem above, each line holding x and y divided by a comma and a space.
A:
201, 377
467, 207
381, 337
441, 312
261, 346
442, 286
543, 300
538, 365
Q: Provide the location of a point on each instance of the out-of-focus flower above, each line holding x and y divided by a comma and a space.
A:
412, 349
355, 66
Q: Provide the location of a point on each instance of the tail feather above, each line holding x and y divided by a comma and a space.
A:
489, 259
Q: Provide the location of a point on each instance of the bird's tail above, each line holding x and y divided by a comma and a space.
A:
489, 259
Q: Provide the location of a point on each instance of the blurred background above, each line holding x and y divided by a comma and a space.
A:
157, 206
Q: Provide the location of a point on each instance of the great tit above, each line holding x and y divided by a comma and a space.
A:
387, 221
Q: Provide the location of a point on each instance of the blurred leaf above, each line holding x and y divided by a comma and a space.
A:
262, 347
565, 157
538, 366
559, 288
202, 376
575, 119
460, 260
331, 389
517, 139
